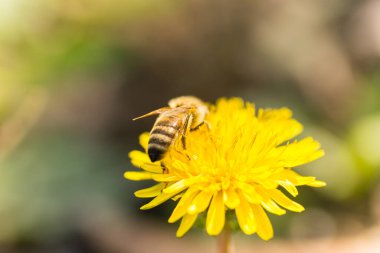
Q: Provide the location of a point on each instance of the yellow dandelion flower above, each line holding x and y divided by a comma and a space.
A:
239, 161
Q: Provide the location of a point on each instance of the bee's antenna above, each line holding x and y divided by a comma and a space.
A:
155, 112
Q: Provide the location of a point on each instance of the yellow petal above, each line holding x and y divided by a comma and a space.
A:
200, 202
144, 139
268, 203
317, 183
151, 167
272, 207
164, 177
264, 226
177, 197
215, 215
308, 181
298, 153
151, 191
141, 160
279, 122
316, 155
287, 174
284, 201
139, 157
177, 187
249, 192
137, 176
183, 204
274, 114
186, 223
297, 179
305, 180
231, 104
231, 198
157, 200
245, 217
289, 186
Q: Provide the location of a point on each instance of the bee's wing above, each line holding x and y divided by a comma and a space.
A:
155, 112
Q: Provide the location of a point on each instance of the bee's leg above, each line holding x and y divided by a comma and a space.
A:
197, 127
165, 170
185, 129
207, 125
183, 140
201, 124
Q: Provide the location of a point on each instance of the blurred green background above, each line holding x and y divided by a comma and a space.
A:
74, 73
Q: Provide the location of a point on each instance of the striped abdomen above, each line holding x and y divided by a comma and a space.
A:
162, 136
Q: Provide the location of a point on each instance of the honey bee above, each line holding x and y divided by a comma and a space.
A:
184, 114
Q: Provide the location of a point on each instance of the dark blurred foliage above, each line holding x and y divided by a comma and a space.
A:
74, 73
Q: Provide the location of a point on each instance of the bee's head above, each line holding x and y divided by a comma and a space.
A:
193, 102
185, 101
